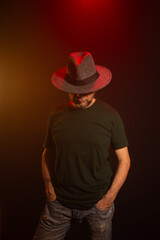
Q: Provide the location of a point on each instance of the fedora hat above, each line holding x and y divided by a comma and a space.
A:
81, 75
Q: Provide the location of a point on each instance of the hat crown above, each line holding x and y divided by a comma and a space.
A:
81, 75
80, 66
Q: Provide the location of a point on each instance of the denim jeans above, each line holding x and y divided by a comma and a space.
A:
55, 221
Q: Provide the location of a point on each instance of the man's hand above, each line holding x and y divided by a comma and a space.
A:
106, 202
119, 178
50, 193
47, 155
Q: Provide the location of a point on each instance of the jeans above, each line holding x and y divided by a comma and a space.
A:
55, 221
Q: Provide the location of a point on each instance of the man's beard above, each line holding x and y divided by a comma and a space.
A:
81, 106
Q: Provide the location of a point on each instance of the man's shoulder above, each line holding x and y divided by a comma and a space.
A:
59, 110
105, 107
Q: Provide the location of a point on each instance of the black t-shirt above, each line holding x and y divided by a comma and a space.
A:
81, 140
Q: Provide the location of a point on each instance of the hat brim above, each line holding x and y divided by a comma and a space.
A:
58, 80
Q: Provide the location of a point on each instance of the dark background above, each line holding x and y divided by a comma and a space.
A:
36, 38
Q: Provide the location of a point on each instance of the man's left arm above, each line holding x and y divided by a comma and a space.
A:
120, 177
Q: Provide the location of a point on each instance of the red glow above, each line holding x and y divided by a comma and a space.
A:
91, 23
89, 8
78, 58
70, 103
90, 3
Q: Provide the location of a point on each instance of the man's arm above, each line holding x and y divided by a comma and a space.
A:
120, 177
46, 155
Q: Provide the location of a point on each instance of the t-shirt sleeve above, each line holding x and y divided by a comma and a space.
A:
119, 138
48, 143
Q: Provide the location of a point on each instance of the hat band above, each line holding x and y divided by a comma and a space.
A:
75, 82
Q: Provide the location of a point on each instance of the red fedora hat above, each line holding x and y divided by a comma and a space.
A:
81, 75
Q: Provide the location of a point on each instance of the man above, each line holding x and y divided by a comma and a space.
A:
75, 165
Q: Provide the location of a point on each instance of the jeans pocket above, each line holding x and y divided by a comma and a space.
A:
108, 210
102, 210
51, 202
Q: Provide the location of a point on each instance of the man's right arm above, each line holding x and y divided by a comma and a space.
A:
49, 189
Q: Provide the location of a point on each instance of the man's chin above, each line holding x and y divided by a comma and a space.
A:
82, 105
